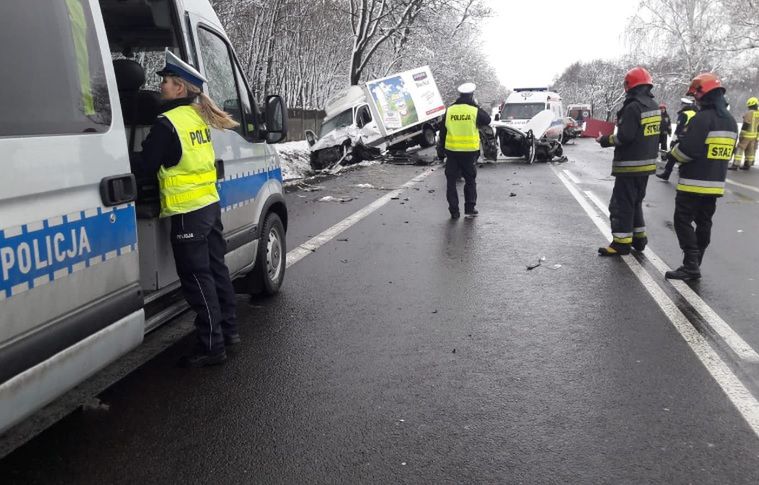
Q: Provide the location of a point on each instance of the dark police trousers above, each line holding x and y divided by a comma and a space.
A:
461, 163
690, 208
626, 206
199, 248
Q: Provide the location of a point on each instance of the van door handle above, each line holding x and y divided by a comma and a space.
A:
219, 169
118, 189
219, 163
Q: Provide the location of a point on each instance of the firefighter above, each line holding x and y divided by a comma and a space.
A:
686, 113
635, 152
746, 151
459, 142
666, 129
180, 151
703, 152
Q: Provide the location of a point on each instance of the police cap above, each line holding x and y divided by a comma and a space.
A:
467, 88
177, 67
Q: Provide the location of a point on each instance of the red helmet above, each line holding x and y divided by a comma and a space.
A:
704, 83
637, 76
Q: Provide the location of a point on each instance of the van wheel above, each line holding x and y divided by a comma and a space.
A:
269, 273
427, 138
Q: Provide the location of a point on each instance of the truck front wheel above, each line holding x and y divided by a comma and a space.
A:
427, 137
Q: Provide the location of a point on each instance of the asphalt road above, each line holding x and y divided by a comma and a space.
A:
411, 348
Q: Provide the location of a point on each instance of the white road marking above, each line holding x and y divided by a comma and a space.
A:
321, 239
572, 177
743, 186
717, 324
738, 394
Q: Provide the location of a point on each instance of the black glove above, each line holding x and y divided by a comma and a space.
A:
604, 142
440, 154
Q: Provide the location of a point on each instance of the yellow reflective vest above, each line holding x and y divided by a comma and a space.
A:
190, 184
462, 134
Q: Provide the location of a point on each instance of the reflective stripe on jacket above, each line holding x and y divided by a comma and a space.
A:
704, 151
191, 184
462, 134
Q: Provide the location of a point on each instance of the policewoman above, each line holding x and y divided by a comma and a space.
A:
459, 142
703, 152
179, 150
636, 149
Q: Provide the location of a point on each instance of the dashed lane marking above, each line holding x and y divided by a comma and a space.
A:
741, 348
733, 388
316, 242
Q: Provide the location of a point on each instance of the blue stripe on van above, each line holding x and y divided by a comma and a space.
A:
30, 258
243, 189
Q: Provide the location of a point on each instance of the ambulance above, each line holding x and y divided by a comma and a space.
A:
86, 267
524, 104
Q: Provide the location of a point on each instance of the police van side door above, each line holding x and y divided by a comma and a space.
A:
68, 241
246, 159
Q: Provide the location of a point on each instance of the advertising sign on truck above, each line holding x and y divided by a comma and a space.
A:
397, 111
405, 99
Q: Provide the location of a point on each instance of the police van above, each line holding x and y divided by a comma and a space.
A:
86, 267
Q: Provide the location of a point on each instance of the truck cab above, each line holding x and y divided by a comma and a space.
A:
86, 264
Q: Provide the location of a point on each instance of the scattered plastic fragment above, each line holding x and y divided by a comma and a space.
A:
330, 198
512, 194
364, 186
536, 264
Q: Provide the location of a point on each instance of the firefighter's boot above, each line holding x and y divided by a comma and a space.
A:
614, 249
639, 243
689, 270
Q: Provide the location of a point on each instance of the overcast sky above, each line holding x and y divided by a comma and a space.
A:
530, 42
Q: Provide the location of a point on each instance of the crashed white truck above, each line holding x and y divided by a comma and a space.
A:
363, 121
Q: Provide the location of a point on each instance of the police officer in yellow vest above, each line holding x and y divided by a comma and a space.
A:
459, 142
686, 113
746, 150
179, 150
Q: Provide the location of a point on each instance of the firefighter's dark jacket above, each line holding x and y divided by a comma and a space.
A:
483, 119
666, 124
704, 151
636, 143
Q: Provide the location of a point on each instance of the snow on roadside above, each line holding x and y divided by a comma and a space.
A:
295, 160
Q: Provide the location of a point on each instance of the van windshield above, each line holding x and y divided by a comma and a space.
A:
54, 81
521, 111
340, 121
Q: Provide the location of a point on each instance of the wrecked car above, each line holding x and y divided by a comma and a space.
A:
532, 141
364, 121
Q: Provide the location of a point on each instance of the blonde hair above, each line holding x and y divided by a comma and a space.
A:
207, 109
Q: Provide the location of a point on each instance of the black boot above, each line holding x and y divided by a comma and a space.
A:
701, 256
689, 270
639, 243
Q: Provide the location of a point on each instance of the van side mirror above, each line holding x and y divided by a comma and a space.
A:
276, 119
311, 137
497, 117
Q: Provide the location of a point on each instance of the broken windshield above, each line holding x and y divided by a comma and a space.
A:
340, 121
521, 111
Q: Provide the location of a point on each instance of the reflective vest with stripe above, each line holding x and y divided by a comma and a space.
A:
462, 134
190, 184
750, 125
706, 175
